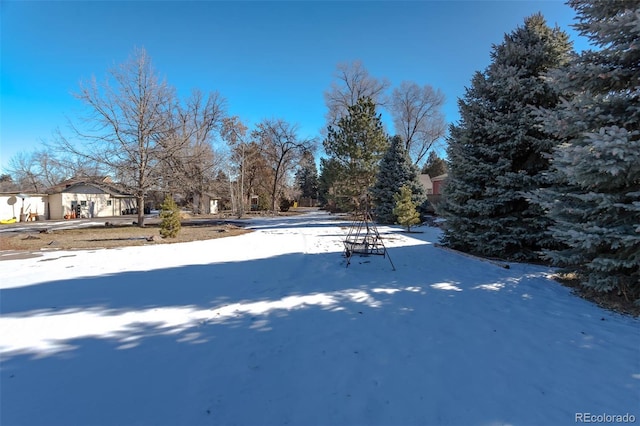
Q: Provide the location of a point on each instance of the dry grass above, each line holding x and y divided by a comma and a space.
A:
121, 233
113, 236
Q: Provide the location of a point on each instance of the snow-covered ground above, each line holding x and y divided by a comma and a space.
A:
271, 328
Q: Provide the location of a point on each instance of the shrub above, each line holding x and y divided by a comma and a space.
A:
285, 205
170, 218
405, 209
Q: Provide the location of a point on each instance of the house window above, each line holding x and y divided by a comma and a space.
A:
83, 203
108, 202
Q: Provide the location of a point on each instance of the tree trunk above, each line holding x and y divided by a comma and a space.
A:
242, 199
140, 202
273, 196
274, 192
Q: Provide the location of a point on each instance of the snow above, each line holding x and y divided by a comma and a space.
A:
271, 328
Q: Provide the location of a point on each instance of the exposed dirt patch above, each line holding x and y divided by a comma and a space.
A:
109, 236
611, 301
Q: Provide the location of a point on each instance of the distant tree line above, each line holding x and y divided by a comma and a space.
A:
136, 130
356, 141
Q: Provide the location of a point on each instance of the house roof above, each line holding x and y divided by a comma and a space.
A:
104, 188
79, 179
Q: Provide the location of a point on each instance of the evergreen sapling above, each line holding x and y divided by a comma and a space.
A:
405, 209
169, 218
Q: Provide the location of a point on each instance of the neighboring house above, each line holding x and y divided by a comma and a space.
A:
439, 183
425, 180
81, 197
435, 197
31, 206
97, 180
211, 203
433, 185
90, 199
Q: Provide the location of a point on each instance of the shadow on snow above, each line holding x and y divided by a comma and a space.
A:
419, 343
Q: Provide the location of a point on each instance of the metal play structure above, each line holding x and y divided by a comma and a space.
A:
363, 239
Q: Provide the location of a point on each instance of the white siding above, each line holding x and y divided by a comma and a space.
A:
213, 206
91, 205
10, 205
56, 210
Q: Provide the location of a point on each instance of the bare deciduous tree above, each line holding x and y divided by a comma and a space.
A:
52, 169
281, 148
189, 161
128, 115
7, 183
352, 82
26, 172
418, 118
258, 173
234, 132
38, 170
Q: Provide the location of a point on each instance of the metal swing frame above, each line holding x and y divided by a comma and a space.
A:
364, 239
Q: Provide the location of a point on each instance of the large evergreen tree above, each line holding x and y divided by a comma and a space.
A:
595, 206
434, 166
306, 178
495, 152
356, 143
396, 170
327, 181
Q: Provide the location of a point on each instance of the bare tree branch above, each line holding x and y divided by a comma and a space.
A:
127, 115
282, 148
418, 118
188, 160
352, 82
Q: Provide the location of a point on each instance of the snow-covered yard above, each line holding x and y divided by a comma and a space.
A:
270, 328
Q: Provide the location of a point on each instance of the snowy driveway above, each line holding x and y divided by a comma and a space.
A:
270, 328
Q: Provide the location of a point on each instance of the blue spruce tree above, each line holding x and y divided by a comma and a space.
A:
595, 204
396, 170
496, 153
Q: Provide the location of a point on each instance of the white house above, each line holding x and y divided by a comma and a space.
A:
88, 199
23, 206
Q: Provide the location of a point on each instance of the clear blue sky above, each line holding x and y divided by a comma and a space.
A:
268, 59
